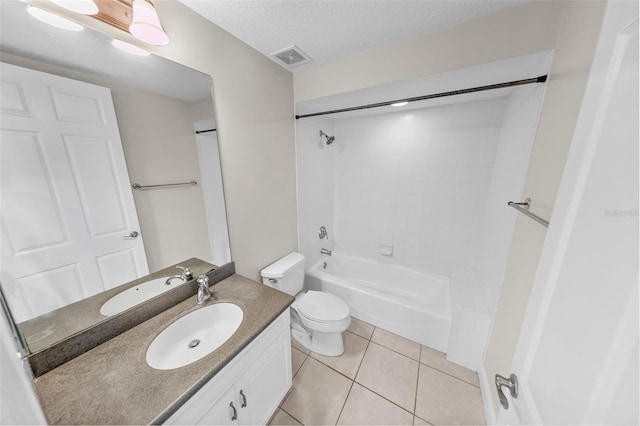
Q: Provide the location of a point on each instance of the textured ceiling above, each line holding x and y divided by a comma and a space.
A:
331, 29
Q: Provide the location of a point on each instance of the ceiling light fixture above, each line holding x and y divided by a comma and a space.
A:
85, 7
399, 104
145, 24
129, 48
53, 19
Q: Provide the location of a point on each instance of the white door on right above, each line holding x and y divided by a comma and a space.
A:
577, 357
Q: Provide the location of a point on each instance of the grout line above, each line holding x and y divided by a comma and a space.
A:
385, 398
415, 401
391, 349
303, 361
330, 367
451, 375
362, 360
457, 378
394, 351
293, 377
419, 360
371, 390
414, 420
339, 372
369, 341
364, 337
293, 417
345, 402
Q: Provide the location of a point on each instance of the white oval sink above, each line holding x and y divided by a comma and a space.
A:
138, 294
194, 336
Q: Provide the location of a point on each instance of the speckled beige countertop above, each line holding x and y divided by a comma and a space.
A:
112, 383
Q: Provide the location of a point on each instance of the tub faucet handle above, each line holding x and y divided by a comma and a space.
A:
325, 251
323, 233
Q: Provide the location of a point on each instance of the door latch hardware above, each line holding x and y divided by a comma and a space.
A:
133, 235
511, 383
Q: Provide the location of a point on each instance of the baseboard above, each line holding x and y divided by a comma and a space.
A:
486, 390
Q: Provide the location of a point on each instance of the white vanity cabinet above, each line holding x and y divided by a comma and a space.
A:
249, 388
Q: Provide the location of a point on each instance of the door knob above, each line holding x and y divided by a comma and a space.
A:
511, 383
132, 236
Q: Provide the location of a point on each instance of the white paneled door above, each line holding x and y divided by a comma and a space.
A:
577, 357
67, 212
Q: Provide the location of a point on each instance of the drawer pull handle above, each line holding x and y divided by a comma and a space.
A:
235, 413
244, 399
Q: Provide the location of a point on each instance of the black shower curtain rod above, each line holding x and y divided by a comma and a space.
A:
205, 131
540, 79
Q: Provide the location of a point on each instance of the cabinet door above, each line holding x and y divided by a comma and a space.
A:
224, 412
263, 386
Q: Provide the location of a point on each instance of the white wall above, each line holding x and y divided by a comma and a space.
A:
315, 163
507, 183
160, 147
574, 50
253, 98
531, 27
417, 180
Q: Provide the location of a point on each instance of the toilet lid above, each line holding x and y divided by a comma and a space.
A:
322, 307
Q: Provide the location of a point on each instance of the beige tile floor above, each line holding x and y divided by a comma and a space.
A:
381, 379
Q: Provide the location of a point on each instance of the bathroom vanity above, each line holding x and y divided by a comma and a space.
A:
249, 388
241, 382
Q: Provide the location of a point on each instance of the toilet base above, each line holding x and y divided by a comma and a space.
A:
327, 344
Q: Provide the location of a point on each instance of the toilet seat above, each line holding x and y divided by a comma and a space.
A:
322, 307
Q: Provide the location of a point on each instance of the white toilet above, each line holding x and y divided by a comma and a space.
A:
317, 318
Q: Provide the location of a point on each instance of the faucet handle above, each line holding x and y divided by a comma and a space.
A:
204, 293
187, 273
203, 280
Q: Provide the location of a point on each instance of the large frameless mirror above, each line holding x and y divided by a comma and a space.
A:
109, 170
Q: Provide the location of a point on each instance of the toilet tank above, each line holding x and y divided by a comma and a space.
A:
286, 274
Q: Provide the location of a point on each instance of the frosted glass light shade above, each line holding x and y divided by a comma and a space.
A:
53, 19
145, 24
85, 7
129, 48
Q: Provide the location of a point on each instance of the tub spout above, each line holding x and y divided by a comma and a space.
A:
325, 251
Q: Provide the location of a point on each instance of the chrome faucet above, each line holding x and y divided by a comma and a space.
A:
204, 293
325, 251
187, 274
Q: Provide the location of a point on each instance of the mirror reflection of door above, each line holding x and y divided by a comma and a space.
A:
67, 209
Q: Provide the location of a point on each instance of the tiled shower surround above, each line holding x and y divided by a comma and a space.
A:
416, 180
432, 183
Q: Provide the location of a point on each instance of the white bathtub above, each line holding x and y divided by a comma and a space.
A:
412, 304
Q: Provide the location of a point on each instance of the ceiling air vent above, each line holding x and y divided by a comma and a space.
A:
291, 56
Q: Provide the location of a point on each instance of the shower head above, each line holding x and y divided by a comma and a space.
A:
330, 139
